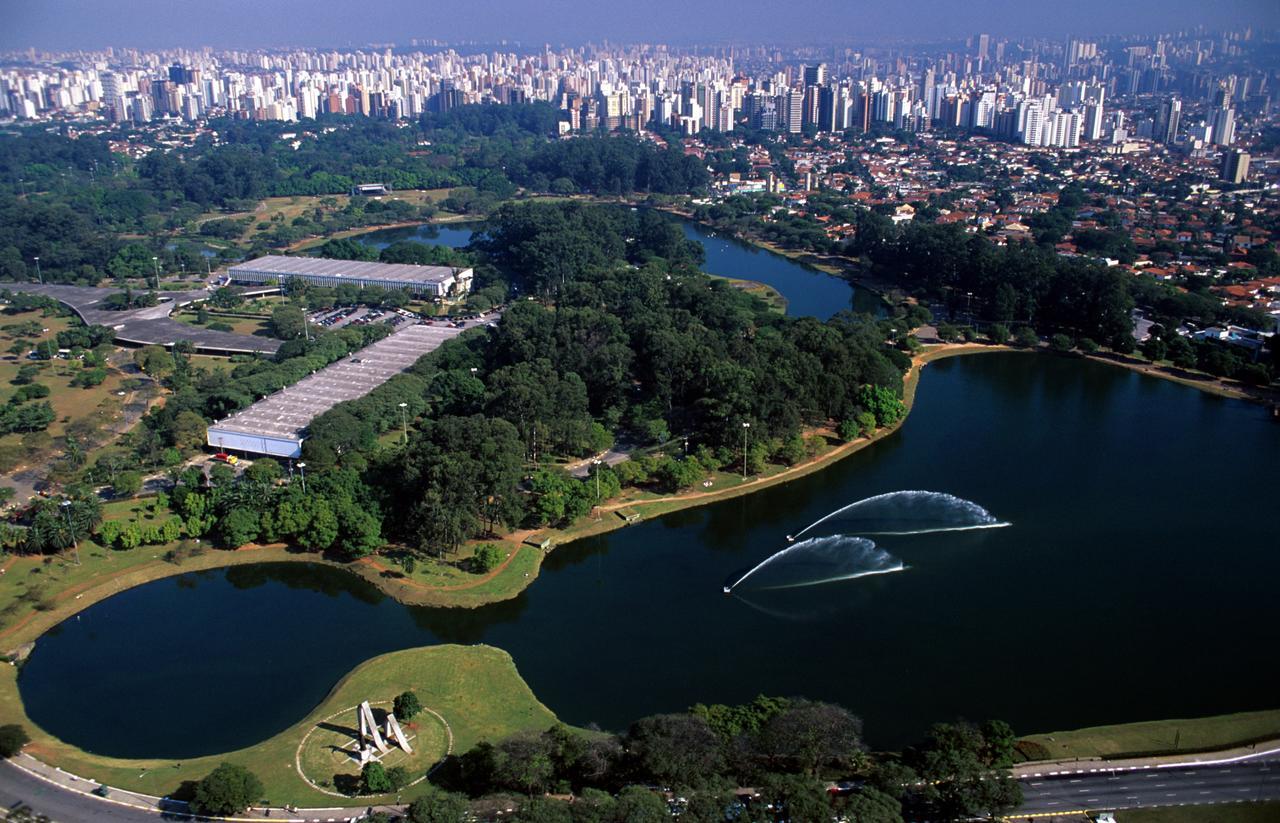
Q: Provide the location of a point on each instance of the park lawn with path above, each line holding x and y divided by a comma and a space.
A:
475, 689
1160, 736
68, 401
96, 408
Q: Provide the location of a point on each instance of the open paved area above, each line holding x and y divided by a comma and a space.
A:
151, 325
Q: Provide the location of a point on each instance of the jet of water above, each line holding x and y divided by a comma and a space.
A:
908, 512
821, 560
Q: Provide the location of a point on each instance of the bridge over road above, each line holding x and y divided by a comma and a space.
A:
151, 325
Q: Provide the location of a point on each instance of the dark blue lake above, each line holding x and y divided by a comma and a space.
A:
1136, 582
809, 292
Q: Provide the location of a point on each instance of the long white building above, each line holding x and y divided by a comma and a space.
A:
432, 281
277, 425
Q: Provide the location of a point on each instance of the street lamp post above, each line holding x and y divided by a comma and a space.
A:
39, 273
404, 420
596, 471
75, 545
745, 428
302, 470
155, 262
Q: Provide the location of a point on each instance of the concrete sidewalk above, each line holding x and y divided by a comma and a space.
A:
169, 808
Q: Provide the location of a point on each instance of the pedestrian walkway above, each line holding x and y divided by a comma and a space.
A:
1097, 763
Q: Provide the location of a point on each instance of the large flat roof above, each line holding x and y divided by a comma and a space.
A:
287, 413
355, 269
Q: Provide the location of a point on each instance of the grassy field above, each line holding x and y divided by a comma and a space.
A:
1230, 813
476, 689
287, 208
445, 583
239, 325
92, 410
1198, 734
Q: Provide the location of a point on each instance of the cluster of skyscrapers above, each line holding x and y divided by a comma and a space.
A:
1038, 93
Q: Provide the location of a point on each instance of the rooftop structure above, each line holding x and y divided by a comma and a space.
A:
436, 281
276, 425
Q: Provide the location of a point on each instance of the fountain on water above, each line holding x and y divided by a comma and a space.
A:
848, 554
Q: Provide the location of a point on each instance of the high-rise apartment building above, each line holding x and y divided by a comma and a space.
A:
1235, 166
1167, 121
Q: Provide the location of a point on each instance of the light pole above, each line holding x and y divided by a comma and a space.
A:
75, 545
39, 274
745, 428
968, 306
302, 470
596, 471
155, 262
404, 421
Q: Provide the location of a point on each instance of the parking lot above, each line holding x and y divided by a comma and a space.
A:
358, 316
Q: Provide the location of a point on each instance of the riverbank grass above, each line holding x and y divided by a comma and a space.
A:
476, 690
1161, 736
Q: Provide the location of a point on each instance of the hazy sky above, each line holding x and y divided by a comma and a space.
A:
58, 24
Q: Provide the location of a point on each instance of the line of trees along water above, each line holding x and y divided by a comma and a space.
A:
1027, 284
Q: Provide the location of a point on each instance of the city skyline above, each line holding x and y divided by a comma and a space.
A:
83, 24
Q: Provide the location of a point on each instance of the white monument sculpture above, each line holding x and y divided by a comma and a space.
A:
370, 744
393, 731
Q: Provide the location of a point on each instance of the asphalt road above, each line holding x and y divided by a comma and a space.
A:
1061, 794
1184, 785
19, 789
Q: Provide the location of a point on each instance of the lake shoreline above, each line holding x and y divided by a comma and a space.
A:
67, 757
18, 638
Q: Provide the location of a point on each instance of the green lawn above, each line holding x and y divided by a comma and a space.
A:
239, 325
1198, 734
476, 689
1231, 813
443, 583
